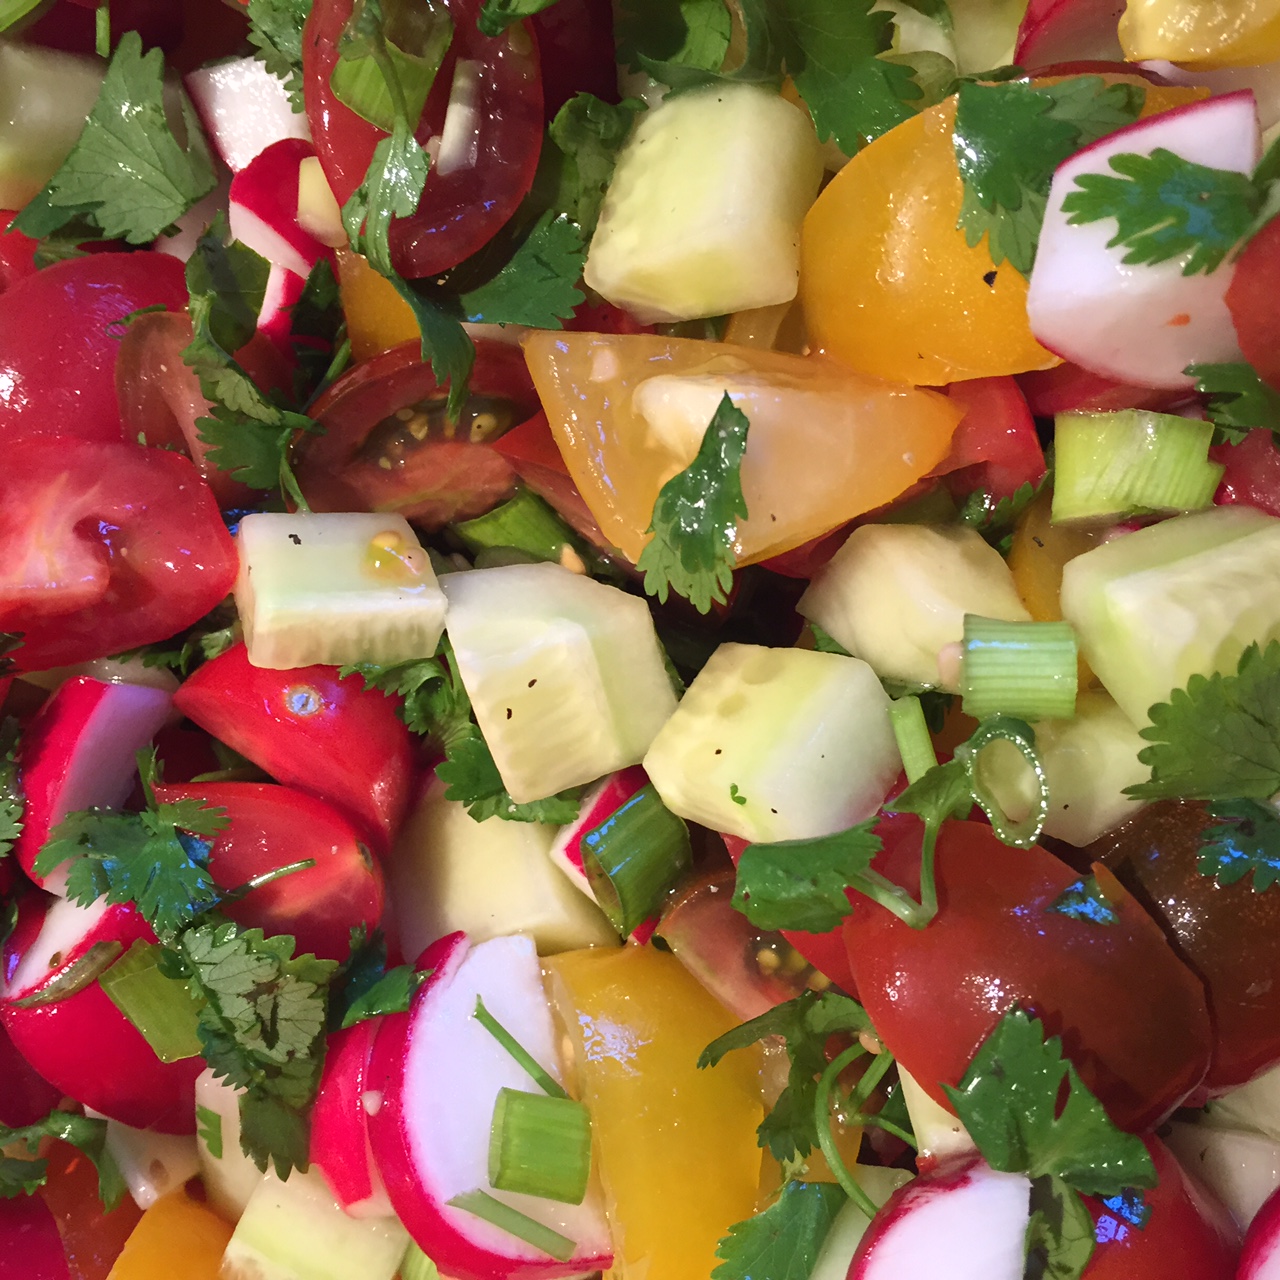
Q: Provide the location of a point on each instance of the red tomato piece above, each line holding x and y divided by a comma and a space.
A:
1252, 474
1131, 1015
462, 208
995, 445
576, 53
1251, 299
106, 546
32, 1247
60, 332
1067, 388
307, 728
17, 253
388, 444
72, 24
271, 826
91, 1238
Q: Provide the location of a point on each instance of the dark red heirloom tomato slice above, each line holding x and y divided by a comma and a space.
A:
1188, 1236
60, 331
1131, 1015
72, 24
388, 444
271, 826
463, 207
309, 729
104, 547
575, 49
1227, 933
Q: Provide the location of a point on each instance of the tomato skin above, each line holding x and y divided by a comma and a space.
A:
1189, 1235
576, 53
60, 334
1068, 388
1228, 934
270, 826
91, 1238
17, 253
430, 481
1132, 1016
307, 728
32, 1246
995, 446
1252, 474
462, 209
1251, 299
109, 546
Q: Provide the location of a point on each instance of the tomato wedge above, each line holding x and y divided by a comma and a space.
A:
106, 547
464, 204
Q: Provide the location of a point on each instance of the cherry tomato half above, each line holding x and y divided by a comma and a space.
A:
106, 547
1252, 472
1251, 299
462, 205
1131, 1015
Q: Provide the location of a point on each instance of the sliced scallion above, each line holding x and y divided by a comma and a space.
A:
514, 1223
915, 746
160, 1007
544, 1079
1023, 832
525, 523
415, 1265
633, 857
540, 1146
1024, 669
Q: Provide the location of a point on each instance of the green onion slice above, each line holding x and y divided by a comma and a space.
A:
540, 1146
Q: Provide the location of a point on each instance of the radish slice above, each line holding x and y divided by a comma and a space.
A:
275, 320
1141, 324
30, 1243
264, 207
1069, 31
244, 109
439, 1072
79, 753
1260, 1258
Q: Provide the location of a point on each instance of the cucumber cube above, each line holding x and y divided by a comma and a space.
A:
703, 214
335, 588
777, 744
896, 595
1183, 597
230, 1176
565, 674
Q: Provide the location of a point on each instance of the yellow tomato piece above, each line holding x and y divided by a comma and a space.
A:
177, 1235
378, 318
1207, 33
628, 412
675, 1146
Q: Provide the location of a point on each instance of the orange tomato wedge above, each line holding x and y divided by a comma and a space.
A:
175, 1227
629, 410
1206, 33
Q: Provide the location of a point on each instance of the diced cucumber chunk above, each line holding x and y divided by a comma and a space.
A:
896, 595
1108, 465
1241, 1169
1253, 1107
295, 1230
45, 98
703, 214
230, 1177
1186, 596
487, 878
335, 588
777, 744
565, 674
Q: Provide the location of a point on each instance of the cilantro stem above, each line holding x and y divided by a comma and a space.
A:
341, 358
889, 1127
896, 899
826, 1138
267, 877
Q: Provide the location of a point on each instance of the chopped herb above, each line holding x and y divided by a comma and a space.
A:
782, 1242
275, 31
695, 517
392, 993
1165, 207
392, 188
995, 518
473, 779
588, 133
1009, 139
1237, 400
1244, 839
684, 33
1085, 900
1060, 1234
20, 1176
824, 643
209, 1130
537, 285
127, 174
497, 15
735, 795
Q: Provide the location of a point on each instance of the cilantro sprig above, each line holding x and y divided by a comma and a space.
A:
127, 175
695, 517
784, 1241
1244, 839
275, 31
25, 1174
1011, 1100
497, 15
1236, 400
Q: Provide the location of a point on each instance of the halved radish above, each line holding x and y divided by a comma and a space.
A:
1260, 1257
1069, 31
1141, 324
963, 1221
439, 1073
264, 207
26, 1096
30, 1244
79, 754
339, 1123
64, 1024
244, 109
275, 320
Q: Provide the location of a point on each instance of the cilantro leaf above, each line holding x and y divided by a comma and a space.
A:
392, 188
1246, 838
23, 1176
497, 15
831, 49
1166, 207
1219, 738
1009, 1102
12, 802
472, 779
695, 517
432, 702
1060, 1235
995, 518
1009, 138
801, 884
687, 33
825, 643
784, 1241
390, 994
1085, 900
262, 1030
155, 859
1237, 400
444, 341
790, 1129
588, 132
275, 31
127, 172
209, 1130
537, 285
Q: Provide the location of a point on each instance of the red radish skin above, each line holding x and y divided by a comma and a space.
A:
437, 1072
339, 1123
264, 207
1069, 31
30, 1246
271, 826
244, 109
283, 291
26, 1096
307, 728
79, 753
81, 1043
1139, 324
1260, 1257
